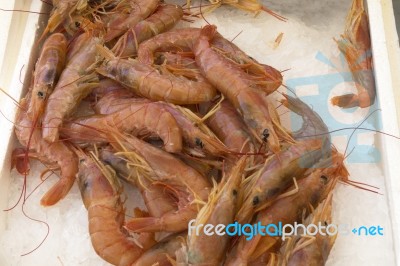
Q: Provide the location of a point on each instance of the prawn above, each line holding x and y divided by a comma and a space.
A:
355, 45
312, 189
194, 137
126, 15
280, 168
231, 81
188, 185
101, 195
47, 70
31, 138
163, 19
138, 118
148, 82
220, 209
315, 250
75, 83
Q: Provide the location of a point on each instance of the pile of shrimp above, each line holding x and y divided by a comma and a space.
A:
190, 120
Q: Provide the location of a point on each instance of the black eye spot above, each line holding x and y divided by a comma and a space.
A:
81, 160
77, 24
324, 179
234, 192
199, 143
256, 200
265, 135
40, 94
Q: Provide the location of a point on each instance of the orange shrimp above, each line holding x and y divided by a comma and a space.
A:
101, 191
137, 118
163, 19
126, 15
220, 209
75, 83
312, 189
48, 69
148, 82
237, 87
355, 45
188, 186
58, 152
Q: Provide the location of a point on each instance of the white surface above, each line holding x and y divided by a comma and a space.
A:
310, 29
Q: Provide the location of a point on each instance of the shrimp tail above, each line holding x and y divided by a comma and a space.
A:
143, 224
58, 191
209, 32
346, 101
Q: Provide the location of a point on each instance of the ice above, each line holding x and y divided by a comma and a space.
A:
307, 51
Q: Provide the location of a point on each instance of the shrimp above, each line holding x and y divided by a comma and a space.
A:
101, 191
280, 168
238, 89
75, 83
194, 137
126, 15
355, 45
312, 189
108, 86
188, 185
31, 137
230, 129
148, 82
47, 70
163, 19
315, 250
220, 209
157, 201
136, 118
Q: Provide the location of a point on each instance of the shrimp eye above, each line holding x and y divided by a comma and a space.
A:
324, 179
77, 24
40, 94
199, 143
265, 135
234, 192
256, 200
81, 160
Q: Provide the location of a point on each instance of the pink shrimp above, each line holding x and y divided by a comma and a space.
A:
187, 184
138, 118
75, 83
163, 19
355, 45
148, 82
126, 15
235, 85
101, 191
